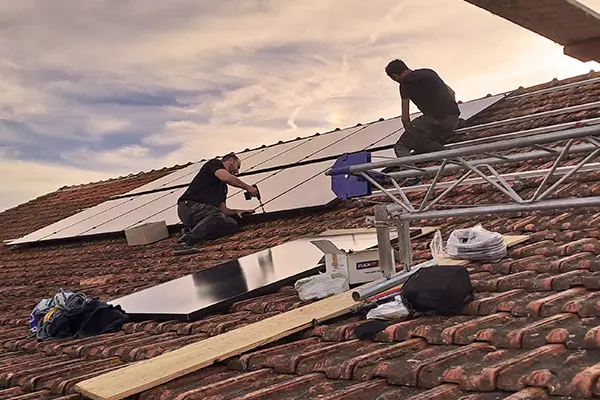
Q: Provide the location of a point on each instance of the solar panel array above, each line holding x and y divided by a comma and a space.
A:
284, 185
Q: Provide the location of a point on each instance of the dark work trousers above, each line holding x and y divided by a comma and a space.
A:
425, 135
204, 222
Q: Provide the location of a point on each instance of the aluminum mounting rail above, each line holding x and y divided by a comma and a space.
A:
516, 176
511, 158
553, 204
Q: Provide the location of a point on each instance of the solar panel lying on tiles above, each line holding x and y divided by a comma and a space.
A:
193, 296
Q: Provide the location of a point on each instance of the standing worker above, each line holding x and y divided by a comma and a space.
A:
202, 208
435, 99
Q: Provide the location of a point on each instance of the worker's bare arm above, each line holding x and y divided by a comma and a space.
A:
405, 112
229, 179
231, 212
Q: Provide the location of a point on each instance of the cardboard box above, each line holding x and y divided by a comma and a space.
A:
358, 267
150, 232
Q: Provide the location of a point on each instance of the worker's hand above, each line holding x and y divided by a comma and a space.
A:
253, 191
240, 213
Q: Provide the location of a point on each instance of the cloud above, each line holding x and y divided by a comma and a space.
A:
105, 124
25, 180
93, 89
118, 159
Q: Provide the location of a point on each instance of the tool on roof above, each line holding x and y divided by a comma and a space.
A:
249, 196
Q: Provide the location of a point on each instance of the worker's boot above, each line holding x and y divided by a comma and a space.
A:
185, 246
412, 181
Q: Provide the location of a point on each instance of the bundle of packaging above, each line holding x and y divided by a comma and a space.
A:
477, 244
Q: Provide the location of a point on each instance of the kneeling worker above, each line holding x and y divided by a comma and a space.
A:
202, 208
429, 132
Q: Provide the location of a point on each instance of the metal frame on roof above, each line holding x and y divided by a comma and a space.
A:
357, 180
512, 176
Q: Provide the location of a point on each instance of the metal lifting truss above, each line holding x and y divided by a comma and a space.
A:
354, 175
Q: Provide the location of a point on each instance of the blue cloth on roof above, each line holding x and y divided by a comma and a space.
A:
74, 314
44, 306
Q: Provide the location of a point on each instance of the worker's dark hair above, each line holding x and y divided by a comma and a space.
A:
395, 67
230, 156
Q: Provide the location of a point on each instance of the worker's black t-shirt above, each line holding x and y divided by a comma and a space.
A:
206, 188
429, 93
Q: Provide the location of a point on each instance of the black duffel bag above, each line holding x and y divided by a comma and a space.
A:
442, 290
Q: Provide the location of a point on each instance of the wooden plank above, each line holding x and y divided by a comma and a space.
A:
147, 374
509, 241
144, 375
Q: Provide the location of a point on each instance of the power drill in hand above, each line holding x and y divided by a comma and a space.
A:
248, 196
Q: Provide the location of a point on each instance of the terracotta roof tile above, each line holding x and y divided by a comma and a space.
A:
374, 389
42, 395
555, 82
533, 310
512, 108
11, 393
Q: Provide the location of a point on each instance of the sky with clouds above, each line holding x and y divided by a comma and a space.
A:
96, 89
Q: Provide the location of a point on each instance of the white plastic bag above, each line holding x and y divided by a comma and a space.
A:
391, 310
437, 246
476, 243
320, 286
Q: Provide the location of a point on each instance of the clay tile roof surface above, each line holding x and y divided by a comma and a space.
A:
532, 331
